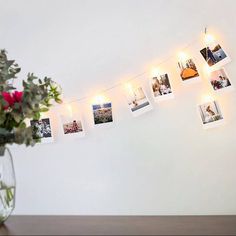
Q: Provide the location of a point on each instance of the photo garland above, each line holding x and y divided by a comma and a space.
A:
161, 89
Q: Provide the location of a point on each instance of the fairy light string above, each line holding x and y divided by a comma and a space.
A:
136, 77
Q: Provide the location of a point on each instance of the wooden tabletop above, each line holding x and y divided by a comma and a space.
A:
119, 225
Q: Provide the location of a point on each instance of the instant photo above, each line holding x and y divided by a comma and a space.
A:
138, 102
161, 88
215, 56
41, 130
188, 71
102, 113
220, 81
72, 126
210, 114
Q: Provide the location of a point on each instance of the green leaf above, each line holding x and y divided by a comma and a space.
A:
44, 109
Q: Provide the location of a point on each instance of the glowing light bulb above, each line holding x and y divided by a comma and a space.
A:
129, 88
182, 56
209, 39
155, 72
69, 108
207, 70
100, 99
207, 98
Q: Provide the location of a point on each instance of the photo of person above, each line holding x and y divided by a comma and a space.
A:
219, 80
161, 88
41, 129
102, 113
215, 55
188, 70
210, 114
138, 101
72, 125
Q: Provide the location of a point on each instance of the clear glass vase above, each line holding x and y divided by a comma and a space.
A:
7, 184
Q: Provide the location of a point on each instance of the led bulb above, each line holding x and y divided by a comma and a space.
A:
207, 98
209, 39
207, 70
129, 87
155, 72
100, 99
69, 108
183, 56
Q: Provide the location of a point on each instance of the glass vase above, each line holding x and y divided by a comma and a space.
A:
7, 184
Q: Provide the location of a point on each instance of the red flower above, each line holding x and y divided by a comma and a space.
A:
8, 98
17, 96
11, 99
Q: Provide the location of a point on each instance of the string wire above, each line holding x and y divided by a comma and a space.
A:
138, 76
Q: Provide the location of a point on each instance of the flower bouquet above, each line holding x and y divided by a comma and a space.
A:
16, 107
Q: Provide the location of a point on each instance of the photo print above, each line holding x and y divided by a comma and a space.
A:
41, 129
219, 80
161, 88
188, 71
72, 125
102, 113
137, 101
210, 114
215, 56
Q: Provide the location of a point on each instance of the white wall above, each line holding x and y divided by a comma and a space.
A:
160, 163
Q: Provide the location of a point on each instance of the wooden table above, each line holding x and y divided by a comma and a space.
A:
119, 225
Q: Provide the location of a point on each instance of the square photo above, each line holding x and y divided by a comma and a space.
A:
102, 113
214, 55
72, 125
138, 101
210, 113
188, 70
161, 88
219, 80
41, 129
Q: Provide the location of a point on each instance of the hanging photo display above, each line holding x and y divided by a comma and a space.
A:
102, 113
188, 70
161, 88
41, 129
214, 55
219, 80
72, 125
210, 114
137, 100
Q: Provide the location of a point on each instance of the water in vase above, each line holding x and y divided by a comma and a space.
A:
7, 202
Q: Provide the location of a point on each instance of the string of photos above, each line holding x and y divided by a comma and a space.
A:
210, 114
